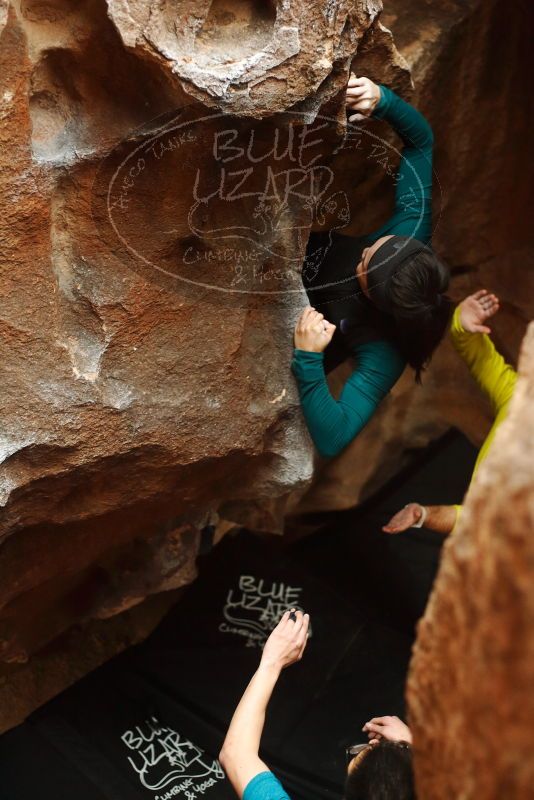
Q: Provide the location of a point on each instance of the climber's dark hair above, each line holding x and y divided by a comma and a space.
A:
385, 772
420, 310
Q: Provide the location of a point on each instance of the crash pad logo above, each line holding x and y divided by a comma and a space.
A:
255, 606
168, 763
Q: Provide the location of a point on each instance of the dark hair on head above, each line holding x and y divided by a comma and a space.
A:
420, 310
385, 772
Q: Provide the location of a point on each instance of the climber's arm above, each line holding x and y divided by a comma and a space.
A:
334, 423
494, 376
412, 215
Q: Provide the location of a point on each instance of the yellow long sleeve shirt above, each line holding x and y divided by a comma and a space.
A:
495, 377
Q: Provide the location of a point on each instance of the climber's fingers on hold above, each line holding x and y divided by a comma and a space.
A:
301, 322
355, 91
313, 319
310, 319
355, 81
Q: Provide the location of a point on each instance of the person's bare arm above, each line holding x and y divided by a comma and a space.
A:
435, 518
239, 756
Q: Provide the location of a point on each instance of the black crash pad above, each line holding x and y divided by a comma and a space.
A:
148, 725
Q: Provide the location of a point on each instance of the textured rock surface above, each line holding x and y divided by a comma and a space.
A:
142, 390
470, 687
249, 58
146, 337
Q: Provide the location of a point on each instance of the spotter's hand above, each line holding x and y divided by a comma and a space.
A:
362, 97
391, 728
404, 519
476, 309
288, 640
312, 331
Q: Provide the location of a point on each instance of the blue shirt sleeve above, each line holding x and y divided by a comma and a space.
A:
265, 786
412, 214
334, 423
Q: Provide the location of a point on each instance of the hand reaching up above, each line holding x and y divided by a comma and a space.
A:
287, 642
391, 728
362, 97
476, 309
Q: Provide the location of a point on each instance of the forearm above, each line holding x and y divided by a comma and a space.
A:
412, 214
332, 423
413, 128
327, 421
476, 349
240, 752
494, 376
441, 519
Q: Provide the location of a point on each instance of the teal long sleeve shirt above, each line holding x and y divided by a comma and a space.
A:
332, 423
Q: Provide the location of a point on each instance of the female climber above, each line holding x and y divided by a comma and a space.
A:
382, 294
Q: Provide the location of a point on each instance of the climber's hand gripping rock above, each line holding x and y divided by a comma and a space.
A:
362, 97
313, 332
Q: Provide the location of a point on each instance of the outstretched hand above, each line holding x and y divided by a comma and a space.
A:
362, 97
288, 640
391, 728
404, 519
312, 331
476, 309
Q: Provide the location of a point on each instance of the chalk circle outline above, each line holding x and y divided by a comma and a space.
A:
169, 128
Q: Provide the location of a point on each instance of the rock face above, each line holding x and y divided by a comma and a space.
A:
148, 294
246, 58
161, 169
470, 687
